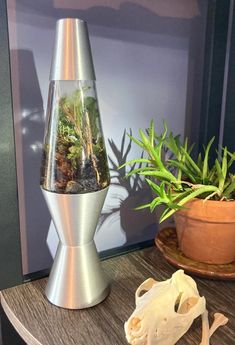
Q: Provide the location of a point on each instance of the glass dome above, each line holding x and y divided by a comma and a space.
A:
74, 159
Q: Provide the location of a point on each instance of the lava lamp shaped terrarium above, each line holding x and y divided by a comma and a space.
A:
74, 171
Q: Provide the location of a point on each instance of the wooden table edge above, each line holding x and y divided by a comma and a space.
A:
19, 327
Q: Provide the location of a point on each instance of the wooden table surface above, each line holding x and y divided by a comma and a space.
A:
40, 323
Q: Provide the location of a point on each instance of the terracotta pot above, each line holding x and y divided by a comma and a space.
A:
206, 231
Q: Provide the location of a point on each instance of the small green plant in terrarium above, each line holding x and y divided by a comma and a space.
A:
74, 159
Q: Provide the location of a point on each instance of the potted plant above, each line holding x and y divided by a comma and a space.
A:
199, 194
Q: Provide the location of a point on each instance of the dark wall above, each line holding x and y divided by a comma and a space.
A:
10, 255
229, 121
214, 68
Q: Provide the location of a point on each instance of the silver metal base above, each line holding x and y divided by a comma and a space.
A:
77, 280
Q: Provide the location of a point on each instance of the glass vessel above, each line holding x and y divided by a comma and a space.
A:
74, 157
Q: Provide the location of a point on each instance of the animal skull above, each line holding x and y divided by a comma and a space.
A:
164, 310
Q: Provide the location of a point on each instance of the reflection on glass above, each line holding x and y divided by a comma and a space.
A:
74, 157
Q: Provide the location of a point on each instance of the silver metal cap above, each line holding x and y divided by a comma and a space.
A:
72, 59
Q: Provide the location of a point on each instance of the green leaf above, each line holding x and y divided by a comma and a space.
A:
232, 158
138, 171
159, 174
156, 158
156, 202
165, 215
199, 161
178, 196
194, 194
229, 190
162, 189
191, 162
185, 146
132, 161
173, 144
191, 148
165, 130
224, 163
184, 169
154, 187
206, 158
142, 207
136, 141
220, 175
175, 207
151, 133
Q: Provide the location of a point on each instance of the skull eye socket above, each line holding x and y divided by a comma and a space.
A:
142, 292
145, 287
188, 304
177, 303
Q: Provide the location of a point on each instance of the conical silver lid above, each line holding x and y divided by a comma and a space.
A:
72, 59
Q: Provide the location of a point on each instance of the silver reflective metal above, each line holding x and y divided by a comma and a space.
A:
76, 280
72, 59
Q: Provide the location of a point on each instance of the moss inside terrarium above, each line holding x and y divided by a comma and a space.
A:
74, 157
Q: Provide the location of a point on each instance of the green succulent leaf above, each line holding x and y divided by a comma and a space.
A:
232, 158
159, 174
183, 168
151, 133
155, 187
132, 161
194, 194
138, 171
224, 163
173, 144
220, 175
205, 162
229, 190
190, 162
142, 207
136, 141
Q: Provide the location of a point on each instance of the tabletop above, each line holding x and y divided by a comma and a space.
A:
40, 323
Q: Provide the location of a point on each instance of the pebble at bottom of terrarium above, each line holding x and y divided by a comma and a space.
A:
83, 186
72, 187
